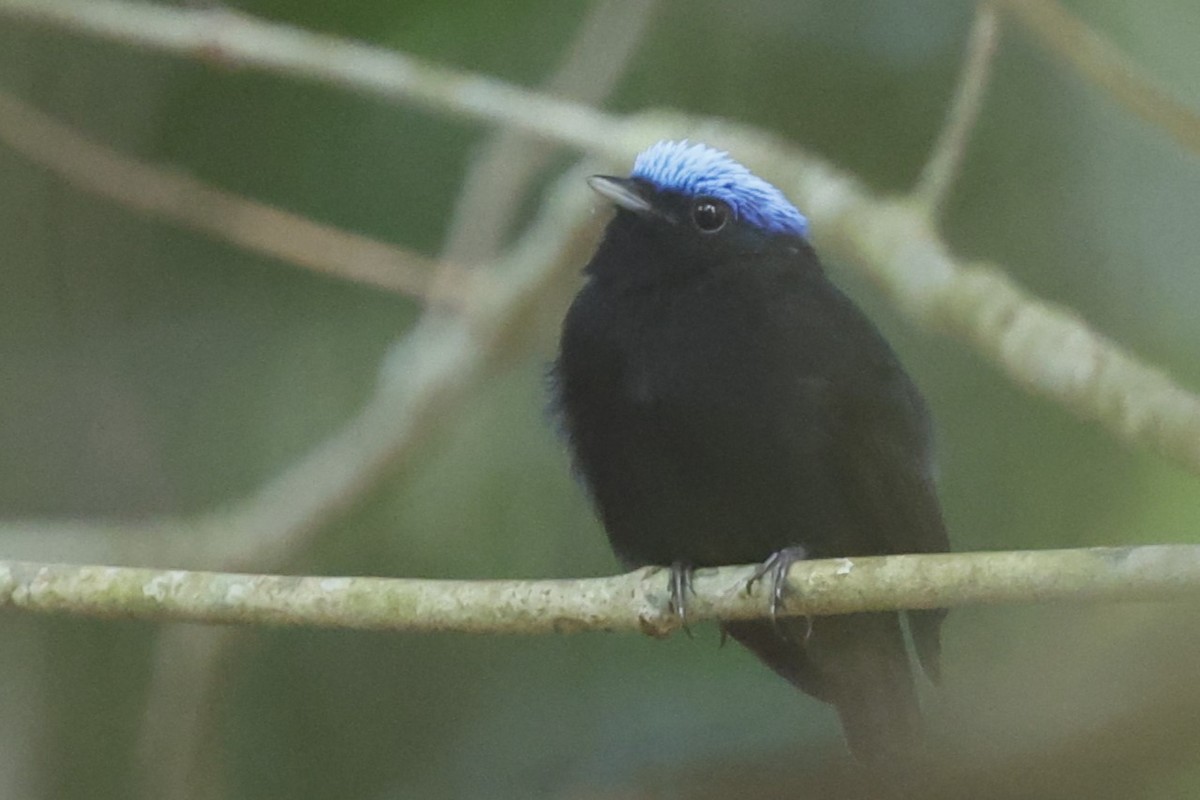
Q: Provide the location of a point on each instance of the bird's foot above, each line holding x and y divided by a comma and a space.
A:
776, 569
681, 586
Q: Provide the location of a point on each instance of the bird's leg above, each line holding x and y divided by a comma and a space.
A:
681, 585
776, 568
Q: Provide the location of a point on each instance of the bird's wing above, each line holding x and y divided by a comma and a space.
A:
880, 456
880, 453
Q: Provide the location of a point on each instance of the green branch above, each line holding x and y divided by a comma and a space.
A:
1104, 65
636, 601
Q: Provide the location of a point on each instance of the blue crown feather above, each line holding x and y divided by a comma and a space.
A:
697, 169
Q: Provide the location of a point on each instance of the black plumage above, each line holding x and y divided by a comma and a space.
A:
724, 401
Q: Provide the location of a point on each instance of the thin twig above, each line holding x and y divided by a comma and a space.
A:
498, 175
185, 678
944, 162
183, 200
425, 377
1044, 348
229, 39
636, 601
1101, 63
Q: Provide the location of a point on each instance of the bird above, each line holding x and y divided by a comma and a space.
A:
724, 402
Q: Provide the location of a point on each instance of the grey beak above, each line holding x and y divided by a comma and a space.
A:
622, 192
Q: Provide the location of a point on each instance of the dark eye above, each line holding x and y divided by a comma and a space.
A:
710, 215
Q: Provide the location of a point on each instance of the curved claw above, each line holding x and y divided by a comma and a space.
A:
681, 585
776, 567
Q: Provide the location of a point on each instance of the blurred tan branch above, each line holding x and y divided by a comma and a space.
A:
939, 172
185, 201
432, 370
424, 378
185, 687
226, 38
1101, 63
1044, 348
636, 601
425, 374
495, 183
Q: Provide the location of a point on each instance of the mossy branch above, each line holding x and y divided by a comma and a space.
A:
636, 601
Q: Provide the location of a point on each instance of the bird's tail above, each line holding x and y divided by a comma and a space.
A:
858, 663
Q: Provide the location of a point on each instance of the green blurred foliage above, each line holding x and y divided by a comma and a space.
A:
146, 370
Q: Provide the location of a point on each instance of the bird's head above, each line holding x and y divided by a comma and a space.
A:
695, 203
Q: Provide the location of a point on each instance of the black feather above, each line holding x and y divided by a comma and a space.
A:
724, 400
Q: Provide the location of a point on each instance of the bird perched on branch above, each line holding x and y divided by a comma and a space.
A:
725, 403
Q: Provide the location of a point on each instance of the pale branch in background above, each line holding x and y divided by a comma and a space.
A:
96, 541
499, 174
636, 601
1041, 347
425, 378
426, 374
1102, 64
179, 747
183, 689
187, 661
430, 372
221, 37
945, 160
1044, 348
183, 200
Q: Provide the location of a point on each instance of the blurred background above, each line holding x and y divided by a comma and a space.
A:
149, 372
